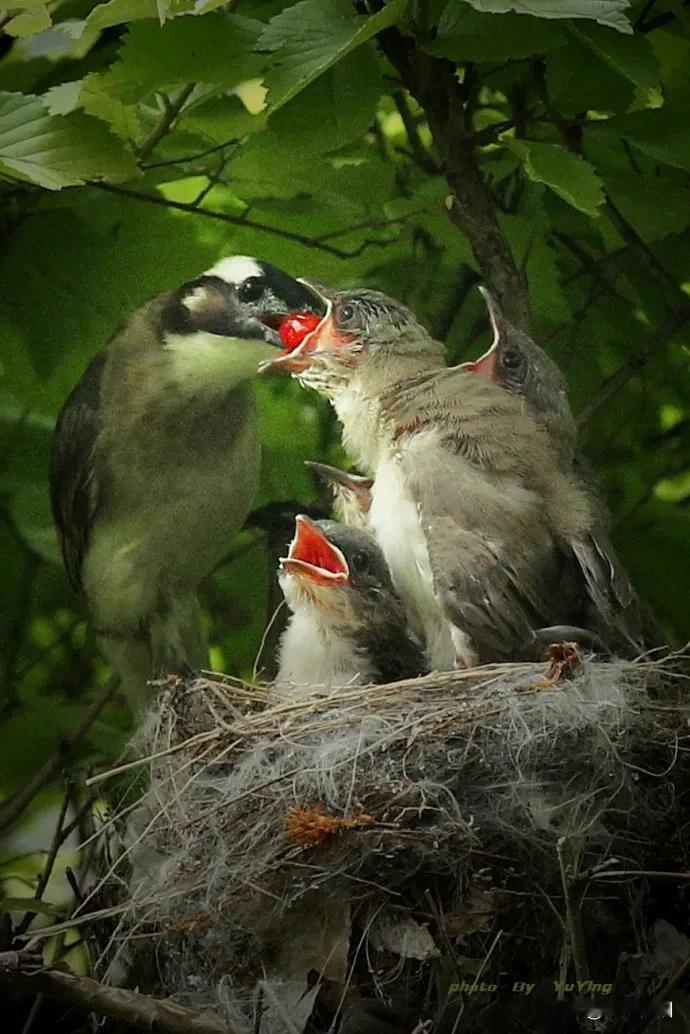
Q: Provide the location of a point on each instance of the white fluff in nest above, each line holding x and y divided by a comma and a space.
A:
406, 778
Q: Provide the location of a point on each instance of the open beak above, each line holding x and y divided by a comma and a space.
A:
487, 364
297, 359
313, 558
358, 485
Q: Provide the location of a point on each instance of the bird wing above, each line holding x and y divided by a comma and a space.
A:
73, 489
492, 560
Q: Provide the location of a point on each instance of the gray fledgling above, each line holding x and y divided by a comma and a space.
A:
156, 458
520, 366
478, 521
347, 626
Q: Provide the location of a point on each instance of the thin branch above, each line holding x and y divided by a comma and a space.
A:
637, 361
49, 769
420, 155
433, 82
445, 318
567, 860
632, 238
187, 159
237, 220
165, 123
118, 1003
58, 840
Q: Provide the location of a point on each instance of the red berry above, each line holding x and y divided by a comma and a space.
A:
295, 327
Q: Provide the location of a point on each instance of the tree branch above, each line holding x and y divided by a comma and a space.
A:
164, 125
433, 83
49, 769
420, 155
637, 361
118, 1003
238, 220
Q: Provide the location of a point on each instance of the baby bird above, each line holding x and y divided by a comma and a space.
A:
347, 626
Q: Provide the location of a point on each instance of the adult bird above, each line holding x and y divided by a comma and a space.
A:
347, 625
156, 461
478, 520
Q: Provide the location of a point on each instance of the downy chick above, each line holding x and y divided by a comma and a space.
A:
347, 626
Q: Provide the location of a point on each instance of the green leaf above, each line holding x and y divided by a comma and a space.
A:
57, 151
222, 119
214, 49
577, 80
606, 12
329, 113
567, 174
466, 35
117, 12
313, 35
662, 133
30, 22
630, 56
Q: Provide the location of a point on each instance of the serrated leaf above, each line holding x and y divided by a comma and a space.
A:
117, 12
313, 35
96, 101
216, 49
567, 174
57, 151
28, 23
630, 56
606, 12
466, 35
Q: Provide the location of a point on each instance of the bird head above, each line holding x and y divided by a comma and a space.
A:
362, 332
519, 365
226, 318
335, 572
351, 492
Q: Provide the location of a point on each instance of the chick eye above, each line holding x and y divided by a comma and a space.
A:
251, 289
511, 360
346, 313
359, 561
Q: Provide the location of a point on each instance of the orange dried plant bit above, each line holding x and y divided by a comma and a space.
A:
309, 826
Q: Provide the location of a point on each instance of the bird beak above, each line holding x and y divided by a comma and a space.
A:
313, 558
487, 364
356, 484
298, 359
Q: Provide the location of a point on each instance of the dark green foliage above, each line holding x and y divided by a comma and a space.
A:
581, 129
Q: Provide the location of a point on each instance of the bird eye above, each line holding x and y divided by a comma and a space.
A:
511, 359
346, 313
359, 562
251, 289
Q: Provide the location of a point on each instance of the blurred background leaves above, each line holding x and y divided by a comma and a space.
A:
141, 140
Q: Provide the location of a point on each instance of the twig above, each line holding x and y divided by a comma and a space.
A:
433, 82
42, 883
567, 860
171, 111
637, 361
465, 281
420, 155
632, 238
237, 220
16, 805
118, 1003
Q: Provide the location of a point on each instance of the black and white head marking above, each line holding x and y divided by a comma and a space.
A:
232, 297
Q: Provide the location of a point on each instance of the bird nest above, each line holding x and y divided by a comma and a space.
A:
435, 846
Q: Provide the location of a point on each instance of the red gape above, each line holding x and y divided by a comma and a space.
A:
295, 327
